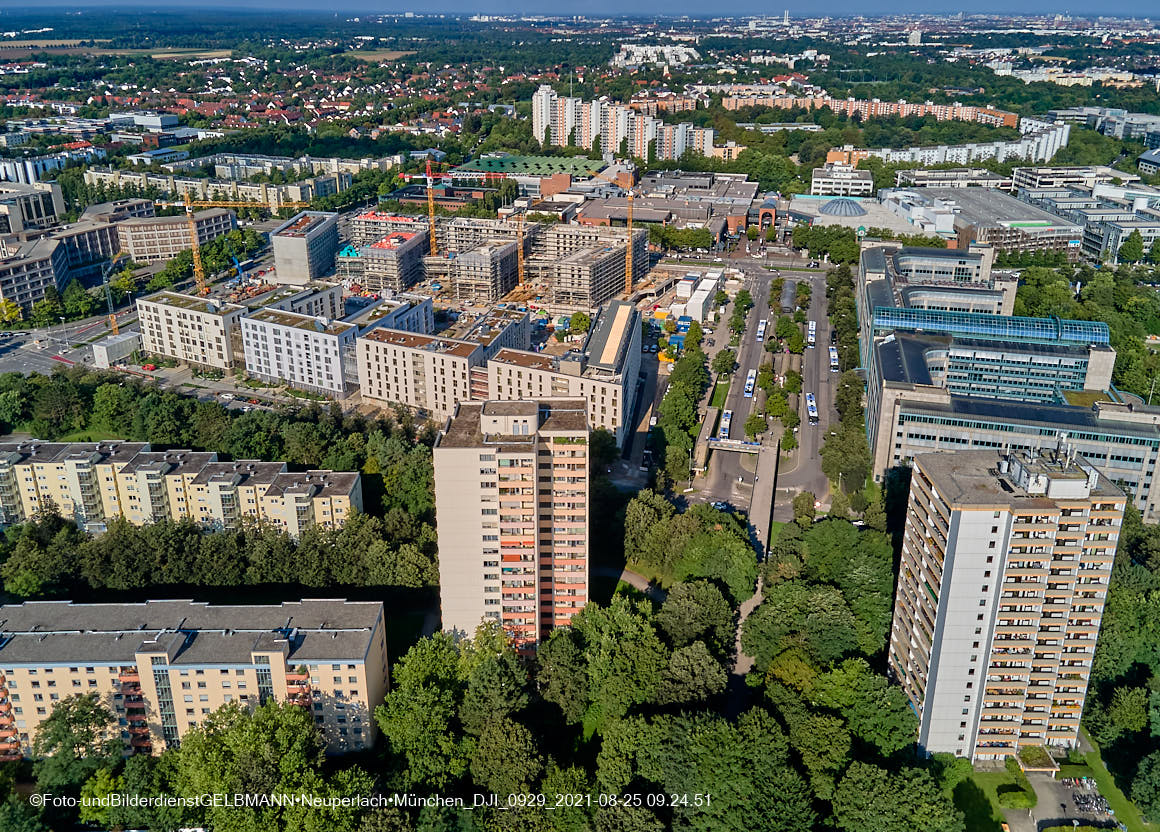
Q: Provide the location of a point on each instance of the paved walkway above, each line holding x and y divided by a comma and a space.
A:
737, 692
639, 582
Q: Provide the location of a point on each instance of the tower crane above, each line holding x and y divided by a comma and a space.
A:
108, 273
194, 245
628, 247
429, 176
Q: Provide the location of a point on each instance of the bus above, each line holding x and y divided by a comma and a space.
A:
812, 408
726, 421
833, 359
761, 327
812, 336
750, 382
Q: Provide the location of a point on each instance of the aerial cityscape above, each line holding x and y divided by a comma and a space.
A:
579, 420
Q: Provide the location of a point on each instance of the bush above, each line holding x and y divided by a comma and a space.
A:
1014, 797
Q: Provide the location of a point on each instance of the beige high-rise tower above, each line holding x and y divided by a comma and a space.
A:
512, 496
1001, 589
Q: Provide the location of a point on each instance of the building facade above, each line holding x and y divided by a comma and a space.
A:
304, 246
512, 495
199, 331
835, 179
155, 239
94, 482
1006, 560
315, 354
164, 666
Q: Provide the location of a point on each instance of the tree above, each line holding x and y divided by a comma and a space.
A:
74, 741
872, 799
755, 425
697, 611
274, 749
506, 759
9, 311
562, 675
17, 816
102, 784
77, 302
724, 362
694, 336
751, 232
1154, 253
815, 618
875, 711
602, 448
495, 691
1132, 249
803, 508
693, 675
624, 656
579, 322
419, 717
1146, 787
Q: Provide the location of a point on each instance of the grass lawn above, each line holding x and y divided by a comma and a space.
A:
977, 799
1126, 811
719, 393
1067, 770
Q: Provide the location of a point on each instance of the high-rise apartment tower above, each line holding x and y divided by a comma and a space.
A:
511, 495
1004, 575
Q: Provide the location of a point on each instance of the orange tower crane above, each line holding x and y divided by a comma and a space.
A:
628, 247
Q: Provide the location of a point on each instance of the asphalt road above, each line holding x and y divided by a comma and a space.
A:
803, 471
730, 477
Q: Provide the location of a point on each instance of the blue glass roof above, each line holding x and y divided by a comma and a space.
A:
997, 327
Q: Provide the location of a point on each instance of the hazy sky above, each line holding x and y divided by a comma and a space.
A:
671, 7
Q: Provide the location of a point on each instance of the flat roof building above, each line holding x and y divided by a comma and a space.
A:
836, 179
199, 331
603, 372
35, 206
512, 495
393, 263
1006, 560
165, 666
27, 269
306, 352
993, 218
155, 239
304, 247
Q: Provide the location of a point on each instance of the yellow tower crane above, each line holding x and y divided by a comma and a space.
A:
195, 245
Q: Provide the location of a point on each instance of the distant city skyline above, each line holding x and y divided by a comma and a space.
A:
746, 8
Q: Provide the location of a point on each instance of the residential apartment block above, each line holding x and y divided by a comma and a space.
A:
486, 273
304, 246
435, 374
1006, 560
309, 353
94, 482
603, 372
512, 497
563, 120
393, 263
202, 332
35, 206
164, 666
155, 239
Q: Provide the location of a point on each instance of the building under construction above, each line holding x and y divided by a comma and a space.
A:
486, 273
574, 267
395, 262
371, 226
